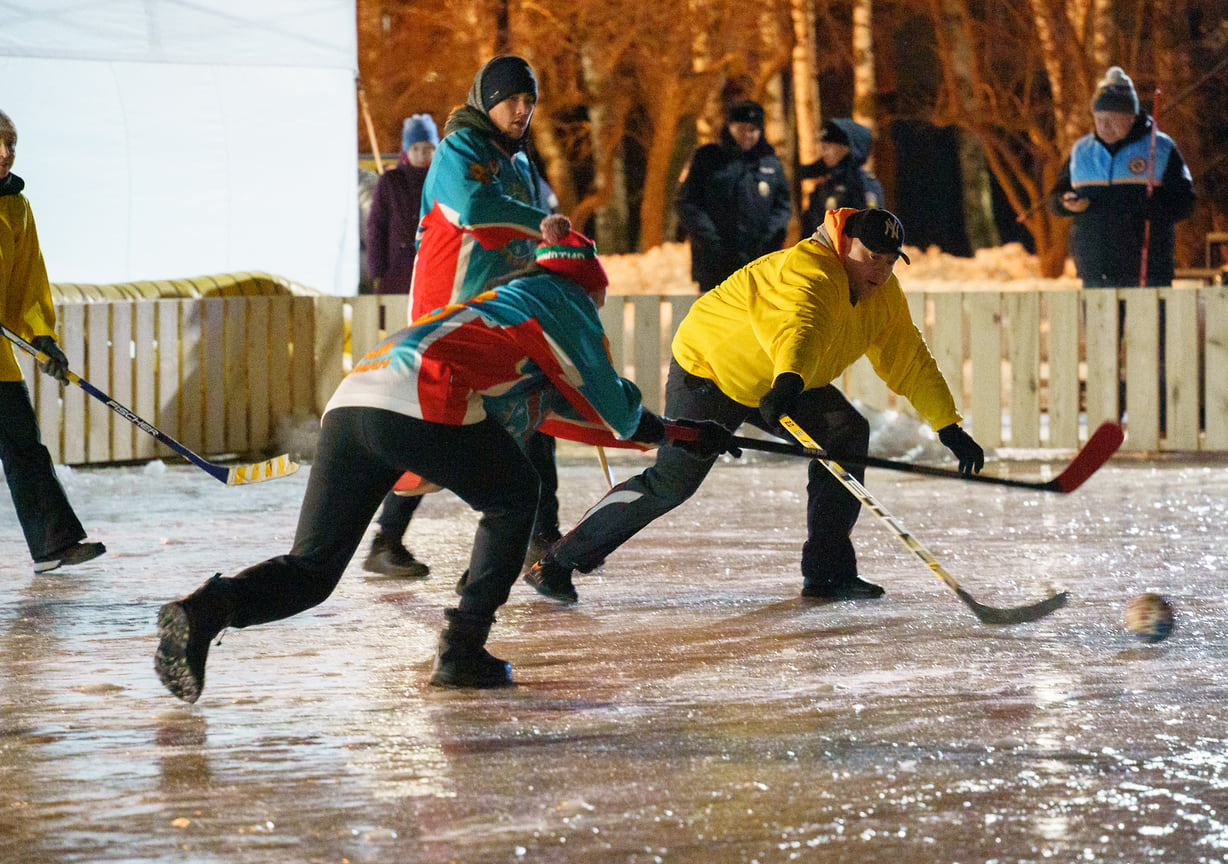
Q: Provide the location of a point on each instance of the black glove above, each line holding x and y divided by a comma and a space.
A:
970, 455
651, 429
713, 440
56, 364
782, 397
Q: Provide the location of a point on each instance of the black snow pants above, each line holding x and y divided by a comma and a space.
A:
360, 455
47, 519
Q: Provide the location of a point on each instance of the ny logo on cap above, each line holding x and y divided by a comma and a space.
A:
892, 227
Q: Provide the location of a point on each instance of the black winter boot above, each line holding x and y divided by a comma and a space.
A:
848, 588
553, 580
389, 557
462, 660
185, 629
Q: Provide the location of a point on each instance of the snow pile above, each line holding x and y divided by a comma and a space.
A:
666, 269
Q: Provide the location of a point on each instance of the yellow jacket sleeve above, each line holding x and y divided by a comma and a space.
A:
25, 294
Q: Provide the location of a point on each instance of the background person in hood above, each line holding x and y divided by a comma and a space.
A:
734, 202
844, 147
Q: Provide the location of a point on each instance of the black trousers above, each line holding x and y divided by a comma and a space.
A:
831, 511
360, 455
47, 519
398, 510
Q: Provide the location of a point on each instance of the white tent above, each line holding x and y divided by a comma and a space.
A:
165, 139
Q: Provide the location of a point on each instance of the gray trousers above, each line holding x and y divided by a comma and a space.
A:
831, 511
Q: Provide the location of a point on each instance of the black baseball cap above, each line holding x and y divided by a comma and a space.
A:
878, 230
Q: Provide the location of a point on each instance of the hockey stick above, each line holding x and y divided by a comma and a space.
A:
366, 116
1151, 174
605, 466
986, 614
238, 475
1099, 447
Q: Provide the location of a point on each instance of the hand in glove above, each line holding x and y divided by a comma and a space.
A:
782, 397
554, 228
970, 455
711, 441
56, 364
651, 429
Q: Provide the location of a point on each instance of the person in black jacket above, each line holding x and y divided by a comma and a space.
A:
1104, 184
734, 201
844, 147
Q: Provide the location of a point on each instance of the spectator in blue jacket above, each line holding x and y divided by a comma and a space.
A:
1104, 183
734, 202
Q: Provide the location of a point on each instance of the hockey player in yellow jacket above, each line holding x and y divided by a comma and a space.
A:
52, 531
768, 341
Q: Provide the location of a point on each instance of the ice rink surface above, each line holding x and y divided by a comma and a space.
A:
691, 708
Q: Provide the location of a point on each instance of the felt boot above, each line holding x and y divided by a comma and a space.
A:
462, 659
185, 629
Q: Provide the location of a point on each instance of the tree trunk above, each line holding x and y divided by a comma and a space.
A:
865, 90
668, 107
805, 81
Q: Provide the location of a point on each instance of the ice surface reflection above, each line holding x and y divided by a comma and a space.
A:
691, 708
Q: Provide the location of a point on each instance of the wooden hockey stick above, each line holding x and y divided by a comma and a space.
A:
1102, 444
605, 466
236, 475
986, 614
366, 116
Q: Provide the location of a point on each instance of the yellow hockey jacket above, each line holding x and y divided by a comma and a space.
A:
25, 295
790, 311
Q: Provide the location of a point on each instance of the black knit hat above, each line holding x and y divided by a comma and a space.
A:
747, 111
504, 77
878, 230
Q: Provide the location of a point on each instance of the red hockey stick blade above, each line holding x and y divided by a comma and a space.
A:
1103, 444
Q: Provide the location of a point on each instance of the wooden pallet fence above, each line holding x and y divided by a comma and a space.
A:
1029, 369
216, 374
1039, 369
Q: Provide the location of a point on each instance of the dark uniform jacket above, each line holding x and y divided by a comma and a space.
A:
735, 207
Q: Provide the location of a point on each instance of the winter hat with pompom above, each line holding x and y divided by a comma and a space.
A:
419, 128
1115, 92
575, 256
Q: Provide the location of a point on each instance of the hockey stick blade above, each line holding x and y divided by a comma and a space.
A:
1102, 444
1015, 614
237, 475
985, 614
1099, 447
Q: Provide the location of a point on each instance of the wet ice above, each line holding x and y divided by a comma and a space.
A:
691, 708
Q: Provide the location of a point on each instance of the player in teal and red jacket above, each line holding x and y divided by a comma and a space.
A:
481, 202
418, 402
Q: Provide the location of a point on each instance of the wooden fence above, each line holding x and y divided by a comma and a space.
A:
1030, 369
